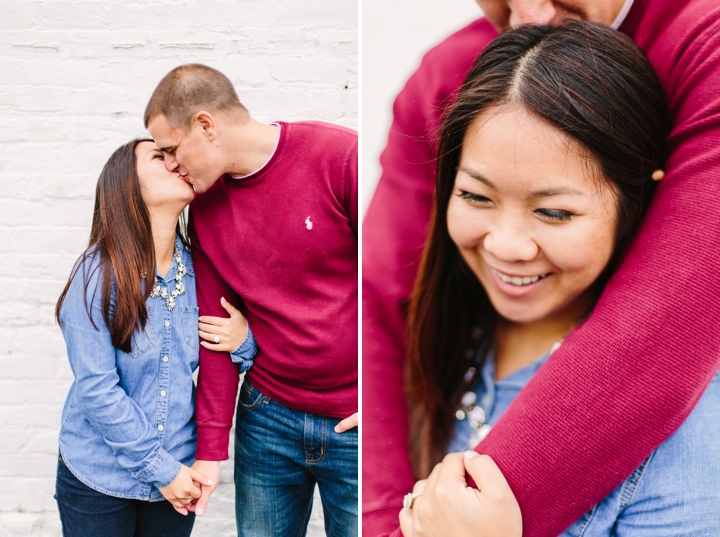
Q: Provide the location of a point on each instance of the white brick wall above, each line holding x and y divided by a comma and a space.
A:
75, 76
396, 34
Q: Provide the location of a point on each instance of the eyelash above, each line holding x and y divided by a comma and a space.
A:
549, 214
469, 196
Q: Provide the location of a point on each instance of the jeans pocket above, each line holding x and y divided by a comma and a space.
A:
250, 397
190, 315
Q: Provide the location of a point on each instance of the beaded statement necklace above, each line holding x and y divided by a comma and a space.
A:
180, 272
469, 409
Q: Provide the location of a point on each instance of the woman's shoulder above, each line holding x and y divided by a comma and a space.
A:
683, 475
86, 281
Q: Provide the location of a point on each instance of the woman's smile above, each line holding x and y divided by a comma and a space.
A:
516, 285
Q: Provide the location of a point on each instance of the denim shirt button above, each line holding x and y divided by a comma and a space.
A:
163, 393
167, 324
165, 358
161, 428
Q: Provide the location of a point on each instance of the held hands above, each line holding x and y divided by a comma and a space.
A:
212, 469
228, 333
185, 489
449, 507
347, 424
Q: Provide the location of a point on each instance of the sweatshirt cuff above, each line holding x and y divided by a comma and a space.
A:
245, 353
161, 471
212, 443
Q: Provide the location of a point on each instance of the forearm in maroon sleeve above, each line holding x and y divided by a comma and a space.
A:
394, 231
218, 376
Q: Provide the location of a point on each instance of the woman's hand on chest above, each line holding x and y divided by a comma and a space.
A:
449, 507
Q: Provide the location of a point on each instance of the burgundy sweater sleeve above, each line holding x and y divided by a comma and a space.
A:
218, 376
623, 381
394, 231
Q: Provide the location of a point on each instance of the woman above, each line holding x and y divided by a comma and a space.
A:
545, 170
129, 317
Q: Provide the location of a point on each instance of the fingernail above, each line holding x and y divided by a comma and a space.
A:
470, 454
210, 483
199, 512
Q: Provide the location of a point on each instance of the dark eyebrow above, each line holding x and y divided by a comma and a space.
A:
478, 177
546, 193
167, 149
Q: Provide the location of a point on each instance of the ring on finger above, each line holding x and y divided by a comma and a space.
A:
409, 498
216, 339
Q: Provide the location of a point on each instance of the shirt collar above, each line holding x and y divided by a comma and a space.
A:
267, 161
184, 257
621, 16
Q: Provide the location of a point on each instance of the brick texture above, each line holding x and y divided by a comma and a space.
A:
75, 76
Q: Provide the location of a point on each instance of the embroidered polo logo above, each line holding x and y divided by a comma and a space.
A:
308, 223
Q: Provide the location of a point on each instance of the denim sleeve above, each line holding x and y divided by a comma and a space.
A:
245, 353
98, 393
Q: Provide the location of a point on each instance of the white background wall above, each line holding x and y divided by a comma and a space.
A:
396, 33
75, 76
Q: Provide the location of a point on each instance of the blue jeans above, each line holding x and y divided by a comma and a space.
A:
85, 512
279, 456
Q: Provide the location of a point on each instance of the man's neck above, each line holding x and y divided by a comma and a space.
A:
252, 143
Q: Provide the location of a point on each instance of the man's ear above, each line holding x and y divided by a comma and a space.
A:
207, 124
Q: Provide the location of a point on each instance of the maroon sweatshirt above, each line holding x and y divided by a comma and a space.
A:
282, 244
627, 378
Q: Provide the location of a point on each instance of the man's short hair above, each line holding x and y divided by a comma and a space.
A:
186, 90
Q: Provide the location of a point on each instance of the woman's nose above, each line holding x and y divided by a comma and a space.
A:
532, 12
511, 242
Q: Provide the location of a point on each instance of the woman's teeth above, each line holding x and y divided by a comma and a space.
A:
518, 280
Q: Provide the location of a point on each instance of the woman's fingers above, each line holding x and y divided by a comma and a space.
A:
487, 476
232, 310
210, 336
213, 322
180, 509
406, 522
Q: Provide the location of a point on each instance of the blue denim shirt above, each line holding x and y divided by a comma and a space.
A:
129, 419
675, 492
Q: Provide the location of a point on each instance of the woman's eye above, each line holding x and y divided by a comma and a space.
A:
551, 214
159, 155
474, 198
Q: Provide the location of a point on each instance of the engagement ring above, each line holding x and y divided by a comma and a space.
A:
216, 339
409, 499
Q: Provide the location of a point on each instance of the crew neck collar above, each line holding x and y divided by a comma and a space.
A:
261, 168
622, 15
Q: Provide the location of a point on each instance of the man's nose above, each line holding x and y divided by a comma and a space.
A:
532, 12
170, 163
510, 241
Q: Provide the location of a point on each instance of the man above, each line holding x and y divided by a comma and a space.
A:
576, 431
274, 227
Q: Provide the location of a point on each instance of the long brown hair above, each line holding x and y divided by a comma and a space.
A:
121, 236
596, 86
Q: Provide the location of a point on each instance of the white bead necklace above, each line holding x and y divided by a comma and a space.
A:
179, 285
